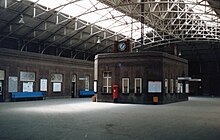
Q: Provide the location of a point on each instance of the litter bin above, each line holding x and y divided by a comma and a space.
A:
155, 100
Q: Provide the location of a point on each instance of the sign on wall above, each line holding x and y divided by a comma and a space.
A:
43, 84
12, 84
154, 86
73, 78
2, 75
28, 86
56, 87
27, 76
56, 78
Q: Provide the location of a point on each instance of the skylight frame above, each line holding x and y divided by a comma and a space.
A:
97, 13
205, 12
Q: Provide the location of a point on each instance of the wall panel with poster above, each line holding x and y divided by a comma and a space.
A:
2, 75
27, 79
12, 84
43, 85
28, 86
57, 80
27, 76
56, 87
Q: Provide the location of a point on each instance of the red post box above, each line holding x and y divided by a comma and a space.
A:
115, 92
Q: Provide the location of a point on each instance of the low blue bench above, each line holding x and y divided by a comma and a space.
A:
19, 95
86, 93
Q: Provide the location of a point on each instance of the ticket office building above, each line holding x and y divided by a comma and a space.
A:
30, 72
140, 77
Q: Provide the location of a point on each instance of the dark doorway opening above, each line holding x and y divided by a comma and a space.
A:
74, 90
1, 91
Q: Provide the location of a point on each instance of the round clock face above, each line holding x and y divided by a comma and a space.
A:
122, 46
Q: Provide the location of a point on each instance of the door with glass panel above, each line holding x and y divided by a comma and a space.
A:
74, 93
1, 91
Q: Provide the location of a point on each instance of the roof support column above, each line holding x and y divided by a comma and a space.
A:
76, 25
6, 3
142, 24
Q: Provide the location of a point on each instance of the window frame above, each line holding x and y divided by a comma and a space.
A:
123, 86
166, 85
135, 85
87, 79
108, 85
176, 86
171, 86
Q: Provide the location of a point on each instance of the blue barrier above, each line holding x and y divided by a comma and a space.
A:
16, 95
86, 93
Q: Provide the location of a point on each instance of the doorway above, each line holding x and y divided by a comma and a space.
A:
73, 89
73, 92
1, 91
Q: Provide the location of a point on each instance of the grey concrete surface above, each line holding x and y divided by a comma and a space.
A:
81, 119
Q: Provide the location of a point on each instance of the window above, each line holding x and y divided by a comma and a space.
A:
171, 86
179, 87
107, 80
166, 85
86, 83
125, 85
187, 88
176, 86
138, 85
56, 80
74, 78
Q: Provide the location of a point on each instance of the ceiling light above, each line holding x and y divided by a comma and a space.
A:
179, 53
98, 41
21, 21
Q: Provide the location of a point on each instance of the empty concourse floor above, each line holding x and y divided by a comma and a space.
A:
81, 119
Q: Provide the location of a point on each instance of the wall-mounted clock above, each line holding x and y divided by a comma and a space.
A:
122, 46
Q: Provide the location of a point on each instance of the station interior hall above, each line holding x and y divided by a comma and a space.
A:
109, 69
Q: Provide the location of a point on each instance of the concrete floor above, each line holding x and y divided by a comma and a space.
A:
81, 119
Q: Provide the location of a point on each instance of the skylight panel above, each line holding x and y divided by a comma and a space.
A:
96, 13
203, 10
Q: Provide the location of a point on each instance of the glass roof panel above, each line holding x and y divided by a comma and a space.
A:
203, 10
97, 13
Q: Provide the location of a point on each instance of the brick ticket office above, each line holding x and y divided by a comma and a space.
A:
31, 72
141, 77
